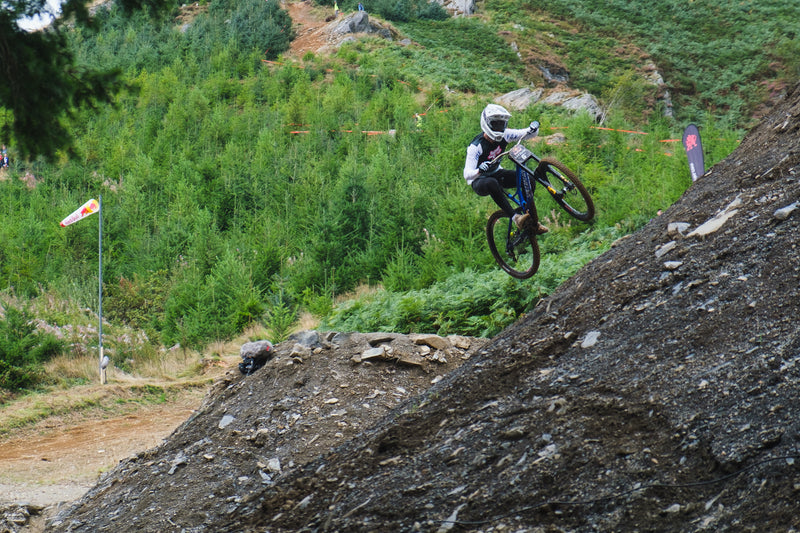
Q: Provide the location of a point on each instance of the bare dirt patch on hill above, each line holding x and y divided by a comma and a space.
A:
307, 23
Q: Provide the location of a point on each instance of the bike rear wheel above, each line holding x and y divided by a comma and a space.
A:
516, 251
566, 189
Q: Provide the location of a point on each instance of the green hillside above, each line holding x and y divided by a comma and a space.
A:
240, 191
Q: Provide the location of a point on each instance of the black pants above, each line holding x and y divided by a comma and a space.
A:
493, 185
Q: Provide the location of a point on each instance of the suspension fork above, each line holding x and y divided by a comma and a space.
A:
528, 195
558, 195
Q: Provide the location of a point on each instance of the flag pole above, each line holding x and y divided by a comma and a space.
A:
103, 379
90, 207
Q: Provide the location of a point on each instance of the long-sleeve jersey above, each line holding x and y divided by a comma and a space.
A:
482, 149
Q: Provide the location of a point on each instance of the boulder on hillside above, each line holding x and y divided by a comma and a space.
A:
254, 355
575, 101
458, 7
554, 74
584, 101
359, 22
520, 99
355, 23
343, 31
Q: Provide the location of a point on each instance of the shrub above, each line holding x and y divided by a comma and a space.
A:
261, 25
139, 302
405, 10
216, 306
22, 350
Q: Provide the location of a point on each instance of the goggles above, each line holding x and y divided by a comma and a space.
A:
498, 125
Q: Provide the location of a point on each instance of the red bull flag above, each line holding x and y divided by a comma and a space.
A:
90, 207
694, 151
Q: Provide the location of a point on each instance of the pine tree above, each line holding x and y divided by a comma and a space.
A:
42, 85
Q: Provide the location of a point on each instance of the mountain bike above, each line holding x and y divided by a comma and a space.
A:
517, 250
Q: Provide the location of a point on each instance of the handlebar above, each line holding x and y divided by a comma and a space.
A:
519, 154
499, 157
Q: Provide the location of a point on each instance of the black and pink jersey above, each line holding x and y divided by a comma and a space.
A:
482, 149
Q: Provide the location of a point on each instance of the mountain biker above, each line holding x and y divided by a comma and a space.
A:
488, 179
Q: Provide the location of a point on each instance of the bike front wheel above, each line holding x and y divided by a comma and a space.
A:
566, 189
515, 250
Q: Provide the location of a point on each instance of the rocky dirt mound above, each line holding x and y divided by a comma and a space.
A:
656, 390
317, 392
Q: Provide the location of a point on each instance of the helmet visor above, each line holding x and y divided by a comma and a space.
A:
498, 125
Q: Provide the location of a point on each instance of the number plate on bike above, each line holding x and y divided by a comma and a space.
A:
520, 154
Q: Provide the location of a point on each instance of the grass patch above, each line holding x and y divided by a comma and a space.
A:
90, 401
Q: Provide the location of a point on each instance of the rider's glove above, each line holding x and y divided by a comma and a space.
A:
534, 127
484, 167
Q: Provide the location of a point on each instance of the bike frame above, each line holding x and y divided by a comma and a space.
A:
520, 156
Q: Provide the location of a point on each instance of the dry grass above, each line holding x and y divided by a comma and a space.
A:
358, 293
147, 375
306, 321
58, 407
163, 378
153, 380
73, 368
163, 365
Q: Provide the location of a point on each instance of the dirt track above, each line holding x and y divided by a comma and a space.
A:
59, 460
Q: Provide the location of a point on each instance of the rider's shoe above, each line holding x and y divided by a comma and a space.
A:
541, 230
521, 219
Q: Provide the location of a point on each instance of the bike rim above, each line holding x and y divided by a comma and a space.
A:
520, 256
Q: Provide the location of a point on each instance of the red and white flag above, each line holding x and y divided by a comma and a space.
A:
92, 206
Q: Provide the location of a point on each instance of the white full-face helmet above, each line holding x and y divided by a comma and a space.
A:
494, 120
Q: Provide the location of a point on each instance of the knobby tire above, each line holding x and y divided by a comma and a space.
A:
522, 260
577, 202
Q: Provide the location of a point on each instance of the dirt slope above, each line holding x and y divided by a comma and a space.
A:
656, 390
308, 24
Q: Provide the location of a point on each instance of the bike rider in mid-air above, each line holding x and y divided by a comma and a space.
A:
490, 179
